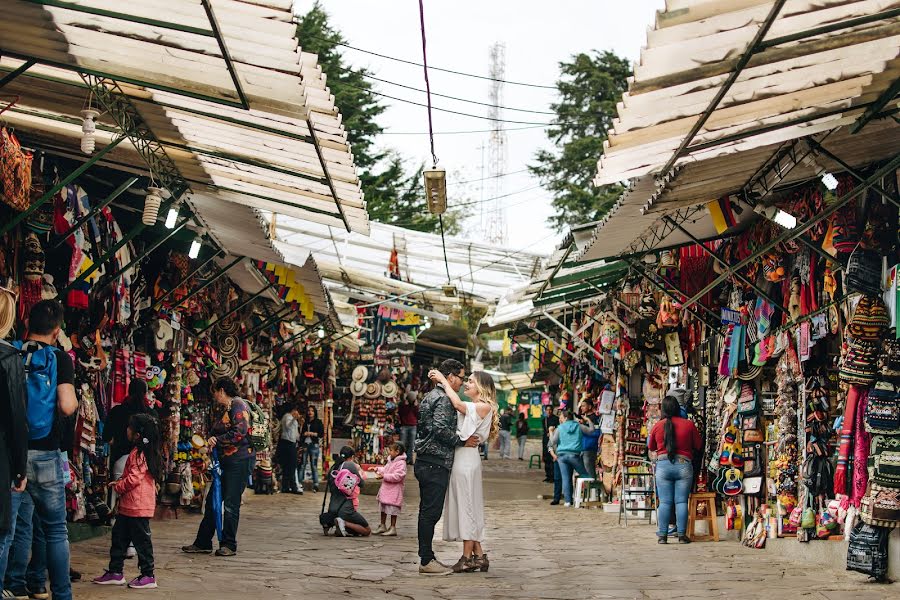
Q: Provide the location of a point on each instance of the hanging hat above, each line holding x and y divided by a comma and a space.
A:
747, 371
228, 344
360, 373
389, 389
373, 390
357, 388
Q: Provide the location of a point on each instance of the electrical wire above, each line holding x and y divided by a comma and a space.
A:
463, 132
443, 70
491, 177
517, 192
415, 89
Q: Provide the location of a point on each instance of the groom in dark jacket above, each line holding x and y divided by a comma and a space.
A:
436, 443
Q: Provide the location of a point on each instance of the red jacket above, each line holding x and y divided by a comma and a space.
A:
136, 488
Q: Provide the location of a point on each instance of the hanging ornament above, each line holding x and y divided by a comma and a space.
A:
151, 205
88, 130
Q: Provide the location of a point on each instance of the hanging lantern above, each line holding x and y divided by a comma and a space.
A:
151, 205
88, 130
436, 190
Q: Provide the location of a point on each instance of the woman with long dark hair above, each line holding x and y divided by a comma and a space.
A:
310, 437
675, 441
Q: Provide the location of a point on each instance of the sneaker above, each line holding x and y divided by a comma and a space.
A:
110, 579
341, 527
554, 503
225, 551
380, 529
143, 583
38, 593
326, 530
434, 568
567, 504
683, 539
300, 490
392, 532
15, 595
192, 549
673, 529
315, 489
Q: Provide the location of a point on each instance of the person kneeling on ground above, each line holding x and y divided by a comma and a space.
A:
343, 484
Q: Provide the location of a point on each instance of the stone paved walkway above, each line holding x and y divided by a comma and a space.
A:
537, 551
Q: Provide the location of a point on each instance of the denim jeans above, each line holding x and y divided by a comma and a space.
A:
234, 481
41, 530
408, 439
673, 486
557, 482
310, 455
570, 463
522, 439
505, 444
589, 457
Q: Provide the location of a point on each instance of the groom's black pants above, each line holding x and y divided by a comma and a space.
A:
433, 483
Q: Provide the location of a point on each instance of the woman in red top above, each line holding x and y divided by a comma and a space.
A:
137, 503
675, 441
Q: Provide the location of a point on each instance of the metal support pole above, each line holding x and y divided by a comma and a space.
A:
556, 270
566, 350
315, 139
211, 280
200, 267
96, 209
237, 308
178, 227
804, 227
725, 265
279, 314
18, 71
217, 33
877, 106
62, 183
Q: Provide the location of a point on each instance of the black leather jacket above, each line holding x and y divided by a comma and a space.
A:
436, 438
13, 426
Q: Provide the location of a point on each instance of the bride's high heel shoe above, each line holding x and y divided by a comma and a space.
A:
465, 564
482, 563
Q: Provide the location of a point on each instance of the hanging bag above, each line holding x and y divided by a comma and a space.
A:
667, 318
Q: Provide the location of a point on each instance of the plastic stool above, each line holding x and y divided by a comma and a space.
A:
532, 459
582, 485
702, 507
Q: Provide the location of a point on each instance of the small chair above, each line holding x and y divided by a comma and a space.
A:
532, 459
705, 502
584, 487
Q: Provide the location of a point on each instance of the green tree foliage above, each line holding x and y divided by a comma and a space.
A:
393, 195
589, 88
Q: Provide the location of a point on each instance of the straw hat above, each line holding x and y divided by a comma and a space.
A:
360, 373
7, 312
373, 390
389, 389
357, 388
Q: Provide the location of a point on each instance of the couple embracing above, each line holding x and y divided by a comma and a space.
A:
448, 464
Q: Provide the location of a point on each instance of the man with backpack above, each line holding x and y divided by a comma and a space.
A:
49, 383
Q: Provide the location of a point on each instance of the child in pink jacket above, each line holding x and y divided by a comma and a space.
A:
390, 496
137, 504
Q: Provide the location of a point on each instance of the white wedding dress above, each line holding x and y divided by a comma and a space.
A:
464, 505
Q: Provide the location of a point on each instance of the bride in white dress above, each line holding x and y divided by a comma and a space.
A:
464, 504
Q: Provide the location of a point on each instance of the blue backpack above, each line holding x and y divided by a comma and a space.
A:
40, 384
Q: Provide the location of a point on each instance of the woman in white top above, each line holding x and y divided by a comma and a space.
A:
464, 505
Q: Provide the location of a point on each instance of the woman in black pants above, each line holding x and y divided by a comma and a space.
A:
287, 450
230, 436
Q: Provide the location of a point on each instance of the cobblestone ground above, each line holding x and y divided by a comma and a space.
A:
537, 551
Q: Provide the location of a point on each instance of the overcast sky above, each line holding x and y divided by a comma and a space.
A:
537, 34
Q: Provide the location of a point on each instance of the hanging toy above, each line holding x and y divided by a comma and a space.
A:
773, 267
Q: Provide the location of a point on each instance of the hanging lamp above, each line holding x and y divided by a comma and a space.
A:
88, 130
436, 190
151, 205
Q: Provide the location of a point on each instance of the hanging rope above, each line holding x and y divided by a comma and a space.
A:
430, 124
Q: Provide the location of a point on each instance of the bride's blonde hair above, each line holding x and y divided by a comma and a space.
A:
488, 393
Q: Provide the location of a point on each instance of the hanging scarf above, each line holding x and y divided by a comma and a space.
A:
840, 472
861, 446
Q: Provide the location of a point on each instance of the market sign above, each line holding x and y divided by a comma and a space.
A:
730, 317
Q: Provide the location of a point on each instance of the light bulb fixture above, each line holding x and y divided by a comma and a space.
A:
321, 333
194, 252
436, 190
776, 215
151, 205
88, 130
830, 181
172, 217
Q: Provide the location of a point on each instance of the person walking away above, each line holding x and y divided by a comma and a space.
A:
13, 427
287, 450
50, 391
144, 469
549, 420
569, 441
521, 434
343, 483
409, 420
436, 442
676, 442
557, 476
591, 441
313, 431
506, 434
390, 496
230, 436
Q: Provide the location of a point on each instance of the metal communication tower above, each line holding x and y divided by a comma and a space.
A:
493, 221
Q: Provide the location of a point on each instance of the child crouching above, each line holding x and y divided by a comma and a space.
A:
137, 503
390, 496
